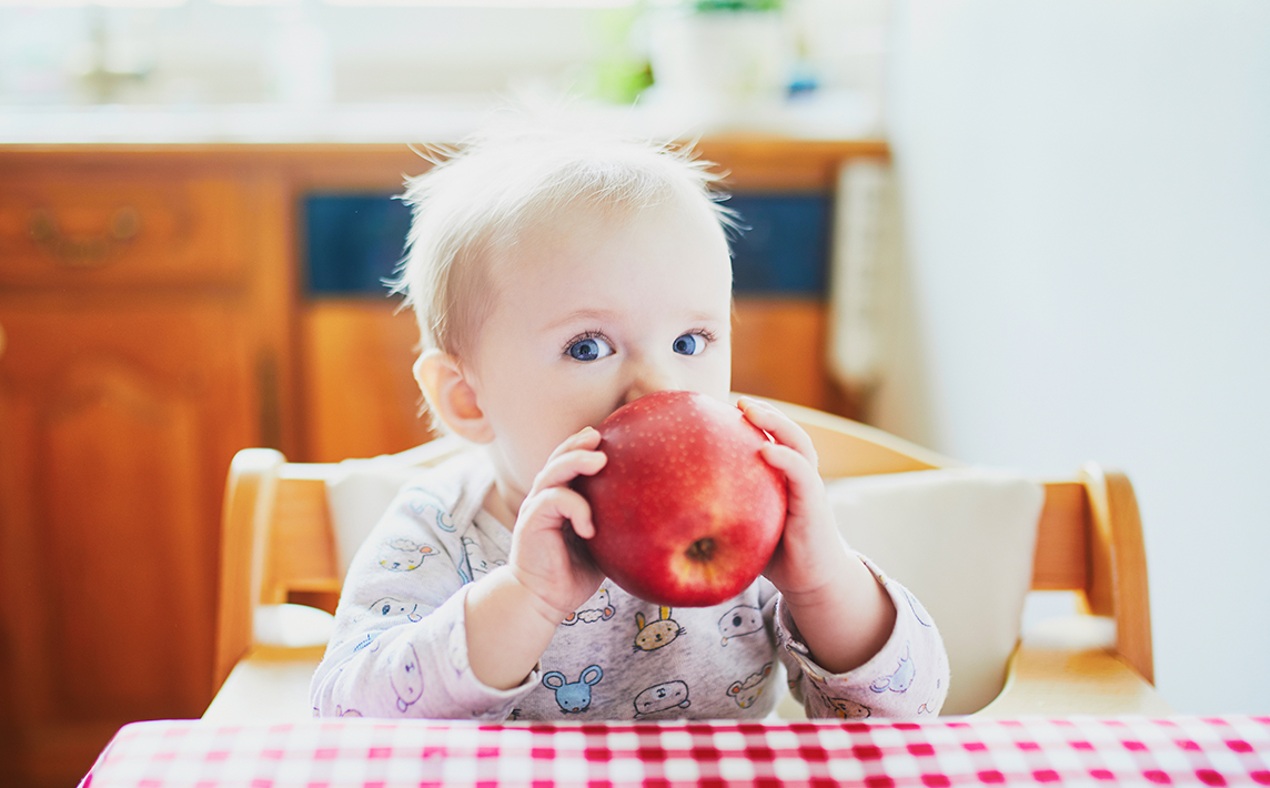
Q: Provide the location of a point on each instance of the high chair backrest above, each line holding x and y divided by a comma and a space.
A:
278, 544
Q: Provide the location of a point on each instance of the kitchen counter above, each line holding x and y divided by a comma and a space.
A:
831, 116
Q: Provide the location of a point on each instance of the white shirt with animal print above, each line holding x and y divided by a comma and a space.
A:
399, 647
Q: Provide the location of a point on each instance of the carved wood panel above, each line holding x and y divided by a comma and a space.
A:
118, 424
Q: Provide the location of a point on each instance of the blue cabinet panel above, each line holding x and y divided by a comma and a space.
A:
353, 242
785, 250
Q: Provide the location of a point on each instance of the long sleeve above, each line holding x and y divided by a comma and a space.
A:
399, 647
907, 678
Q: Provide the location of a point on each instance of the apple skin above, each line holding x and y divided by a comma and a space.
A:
687, 512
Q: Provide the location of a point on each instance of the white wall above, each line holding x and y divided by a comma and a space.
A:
1085, 191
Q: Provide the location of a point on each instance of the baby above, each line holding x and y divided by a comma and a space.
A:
555, 277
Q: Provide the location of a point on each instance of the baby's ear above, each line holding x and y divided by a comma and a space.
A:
451, 397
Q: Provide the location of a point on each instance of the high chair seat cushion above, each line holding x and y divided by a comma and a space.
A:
976, 529
357, 496
360, 490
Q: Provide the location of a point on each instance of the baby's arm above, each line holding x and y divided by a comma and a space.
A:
907, 678
856, 643
398, 647
427, 640
842, 611
513, 613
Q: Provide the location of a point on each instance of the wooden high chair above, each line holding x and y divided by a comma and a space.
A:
279, 564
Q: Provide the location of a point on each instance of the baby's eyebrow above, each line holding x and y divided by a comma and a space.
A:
690, 319
579, 316
708, 317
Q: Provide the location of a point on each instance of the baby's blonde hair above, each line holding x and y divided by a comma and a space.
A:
482, 195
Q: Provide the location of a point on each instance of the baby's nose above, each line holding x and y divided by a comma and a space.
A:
648, 379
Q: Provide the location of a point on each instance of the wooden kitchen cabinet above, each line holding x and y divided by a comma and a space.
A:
134, 366
360, 394
154, 319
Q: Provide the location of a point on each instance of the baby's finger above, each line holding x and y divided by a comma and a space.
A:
585, 438
780, 427
550, 507
792, 463
564, 468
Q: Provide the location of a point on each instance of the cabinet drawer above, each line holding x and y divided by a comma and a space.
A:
60, 230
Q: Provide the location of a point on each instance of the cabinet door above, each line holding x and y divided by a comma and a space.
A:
359, 390
117, 425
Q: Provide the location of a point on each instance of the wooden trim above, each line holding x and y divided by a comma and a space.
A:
850, 448
1056, 682
249, 490
1119, 585
756, 162
1060, 562
302, 542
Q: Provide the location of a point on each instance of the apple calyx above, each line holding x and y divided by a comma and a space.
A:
701, 550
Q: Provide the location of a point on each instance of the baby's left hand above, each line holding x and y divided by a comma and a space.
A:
841, 610
810, 552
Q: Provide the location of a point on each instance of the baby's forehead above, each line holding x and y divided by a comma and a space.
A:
598, 210
601, 247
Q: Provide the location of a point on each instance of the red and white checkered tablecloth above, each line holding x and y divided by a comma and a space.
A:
945, 752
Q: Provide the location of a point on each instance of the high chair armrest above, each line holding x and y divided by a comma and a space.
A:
1069, 667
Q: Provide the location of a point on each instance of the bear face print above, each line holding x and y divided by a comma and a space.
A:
662, 697
740, 621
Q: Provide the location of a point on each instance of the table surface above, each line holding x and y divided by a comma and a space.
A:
1233, 750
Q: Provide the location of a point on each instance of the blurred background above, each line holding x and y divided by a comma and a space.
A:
1061, 254
191, 54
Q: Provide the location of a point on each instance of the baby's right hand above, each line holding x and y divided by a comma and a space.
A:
541, 559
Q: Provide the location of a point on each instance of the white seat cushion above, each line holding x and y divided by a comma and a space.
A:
962, 540
360, 491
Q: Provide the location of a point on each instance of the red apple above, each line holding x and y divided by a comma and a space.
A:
686, 510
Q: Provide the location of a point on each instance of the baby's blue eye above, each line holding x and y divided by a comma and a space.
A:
589, 349
690, 344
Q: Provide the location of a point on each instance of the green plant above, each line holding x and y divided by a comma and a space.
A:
712, 6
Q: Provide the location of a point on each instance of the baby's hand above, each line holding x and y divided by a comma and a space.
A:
842, 611
810, 552
541, 559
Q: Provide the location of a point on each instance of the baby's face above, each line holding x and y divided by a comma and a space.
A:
593, 312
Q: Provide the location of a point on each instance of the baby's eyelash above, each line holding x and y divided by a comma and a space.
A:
709, 335
580, 337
